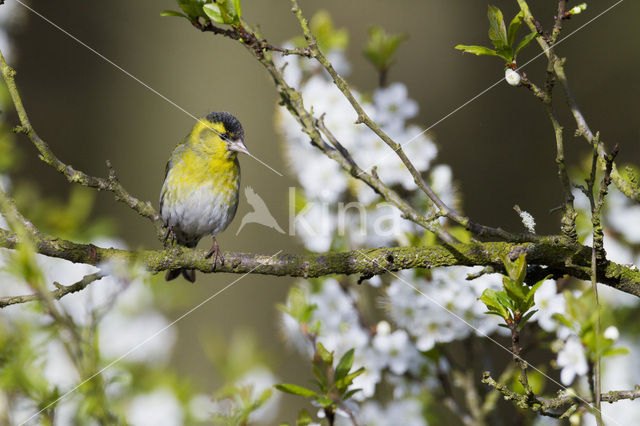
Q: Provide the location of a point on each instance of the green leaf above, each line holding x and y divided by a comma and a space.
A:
525, 41
520, 269
497, 29
343, 367
615, 351
564, 321
230, 13
237, 8
173, 13
297, 306
326, 34
193, 8
504, 300
500, 314
529, 299
321, 373
344, 383
514, 26
324, 401
477, 50
350, 394
506, 54
381, 47
304, 418
295, 390
526, 318
491, 300
213, 12
324, 354
515, 291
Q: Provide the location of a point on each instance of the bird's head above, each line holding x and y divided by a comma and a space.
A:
220, 134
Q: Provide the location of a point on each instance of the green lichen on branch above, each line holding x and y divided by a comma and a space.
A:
559, 406
560, 257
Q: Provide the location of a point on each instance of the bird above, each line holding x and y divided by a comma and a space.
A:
199, 195
260, 213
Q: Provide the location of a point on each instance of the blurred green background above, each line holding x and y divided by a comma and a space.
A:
500, 146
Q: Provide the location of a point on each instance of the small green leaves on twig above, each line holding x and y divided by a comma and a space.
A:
327, 36
515, 302
582, 318
192, 9
334, 384
218, 11
224, 12
381, 49
301, 310
503, 41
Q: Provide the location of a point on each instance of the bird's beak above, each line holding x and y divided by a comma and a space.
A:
238, 146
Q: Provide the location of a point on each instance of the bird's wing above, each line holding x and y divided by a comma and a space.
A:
174, 157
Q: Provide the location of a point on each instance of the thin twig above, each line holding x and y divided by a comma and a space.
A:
58, 293
292, 100
364, 118
628, 186
110, 184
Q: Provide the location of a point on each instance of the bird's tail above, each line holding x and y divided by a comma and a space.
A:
188, 274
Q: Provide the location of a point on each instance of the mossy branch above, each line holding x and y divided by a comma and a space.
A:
560, 257
558, 406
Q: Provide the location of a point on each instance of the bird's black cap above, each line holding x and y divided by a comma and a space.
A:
231, 124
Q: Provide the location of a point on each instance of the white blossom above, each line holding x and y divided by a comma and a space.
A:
548, 302
611, 333
392, 104
398, 351
406, 412
624, 216
512, 77
158, 408
572, 360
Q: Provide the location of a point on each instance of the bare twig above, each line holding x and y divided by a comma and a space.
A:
364, 118
629, 187
110, 184
58, 293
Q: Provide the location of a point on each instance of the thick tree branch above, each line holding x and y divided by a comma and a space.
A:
559, 255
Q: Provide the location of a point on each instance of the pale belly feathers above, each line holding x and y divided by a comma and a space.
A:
204, 207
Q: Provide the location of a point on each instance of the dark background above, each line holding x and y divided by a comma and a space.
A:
501, 146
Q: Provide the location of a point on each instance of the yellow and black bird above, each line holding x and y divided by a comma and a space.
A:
199, 196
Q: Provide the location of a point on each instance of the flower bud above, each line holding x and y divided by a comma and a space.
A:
512, 77
611, 333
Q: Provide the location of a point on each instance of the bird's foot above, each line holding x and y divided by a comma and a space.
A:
169, 233
215, 253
